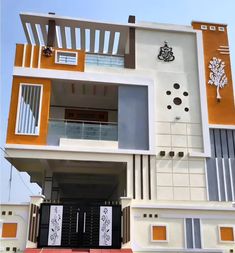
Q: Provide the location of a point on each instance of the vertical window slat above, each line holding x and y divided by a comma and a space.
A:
20, 110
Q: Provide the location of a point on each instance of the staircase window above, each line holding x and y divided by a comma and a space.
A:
65, 57
29, 108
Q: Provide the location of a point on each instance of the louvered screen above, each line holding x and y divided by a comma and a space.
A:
29, 109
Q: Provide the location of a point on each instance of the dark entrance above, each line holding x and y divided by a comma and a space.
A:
79, 226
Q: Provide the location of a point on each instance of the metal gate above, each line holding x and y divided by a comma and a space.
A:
77, 226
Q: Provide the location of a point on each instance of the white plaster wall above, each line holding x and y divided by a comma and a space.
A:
181, 179
210, 233
19, 215
174, 220
142, 239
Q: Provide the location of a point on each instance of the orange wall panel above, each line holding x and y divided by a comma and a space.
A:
28, 55
159, 233
19, 55
226, 234
13, 138
9, 230
35, 56
49, 62
223, 111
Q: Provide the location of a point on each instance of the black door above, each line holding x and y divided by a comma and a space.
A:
80, 226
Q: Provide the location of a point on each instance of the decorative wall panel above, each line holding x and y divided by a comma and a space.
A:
55, 225
105, 234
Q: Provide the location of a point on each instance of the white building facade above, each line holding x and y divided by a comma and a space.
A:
129, 130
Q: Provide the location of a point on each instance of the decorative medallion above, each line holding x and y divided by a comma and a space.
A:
47, 51
166, 53
55, 225
105, 236
179, 99
217, 75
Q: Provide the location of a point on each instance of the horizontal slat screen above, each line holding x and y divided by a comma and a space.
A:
29, 109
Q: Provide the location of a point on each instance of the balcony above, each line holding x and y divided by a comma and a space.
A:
85, 130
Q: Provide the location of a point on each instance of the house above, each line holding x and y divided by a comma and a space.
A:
130, 131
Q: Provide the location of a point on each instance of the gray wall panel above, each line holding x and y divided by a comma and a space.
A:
212, 180
197, 233
233, 176
230, 143
224, 143
227, 180
218, 149
212, 143
133, 132
221, 180
189, 233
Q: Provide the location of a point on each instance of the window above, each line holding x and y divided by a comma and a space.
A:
226, 233
9, 230
193, 233
212, 28
29, 108
221, 29
159, 233
204, 27
68, 58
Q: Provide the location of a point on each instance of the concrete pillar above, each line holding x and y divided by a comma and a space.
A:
47, 185
55, 195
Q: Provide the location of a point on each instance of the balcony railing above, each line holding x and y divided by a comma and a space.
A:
89, 130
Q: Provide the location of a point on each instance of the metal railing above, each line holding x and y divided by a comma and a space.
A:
89, 130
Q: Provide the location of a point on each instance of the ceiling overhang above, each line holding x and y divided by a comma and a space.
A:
90, 36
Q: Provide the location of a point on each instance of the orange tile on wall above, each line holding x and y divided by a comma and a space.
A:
9, 230
13, 138
226, 234
223, 111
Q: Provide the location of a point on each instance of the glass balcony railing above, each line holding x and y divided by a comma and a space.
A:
92, 130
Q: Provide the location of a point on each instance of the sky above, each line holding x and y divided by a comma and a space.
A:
160, 11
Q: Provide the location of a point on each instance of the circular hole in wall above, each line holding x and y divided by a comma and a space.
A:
177, 101
176, 86
185, 93
169, 107
186, 109
168, 93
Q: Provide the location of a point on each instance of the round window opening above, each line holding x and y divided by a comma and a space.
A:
176, 86
177, 101
185, 93
168, 93
168, 107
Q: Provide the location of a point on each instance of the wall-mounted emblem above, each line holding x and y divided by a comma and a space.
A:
47, 51
217, 75
165, 53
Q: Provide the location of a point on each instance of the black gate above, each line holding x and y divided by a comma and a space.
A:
78, 226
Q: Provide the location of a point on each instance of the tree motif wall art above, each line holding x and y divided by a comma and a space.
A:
217, 75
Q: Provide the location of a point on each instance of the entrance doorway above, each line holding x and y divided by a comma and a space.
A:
78, 226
